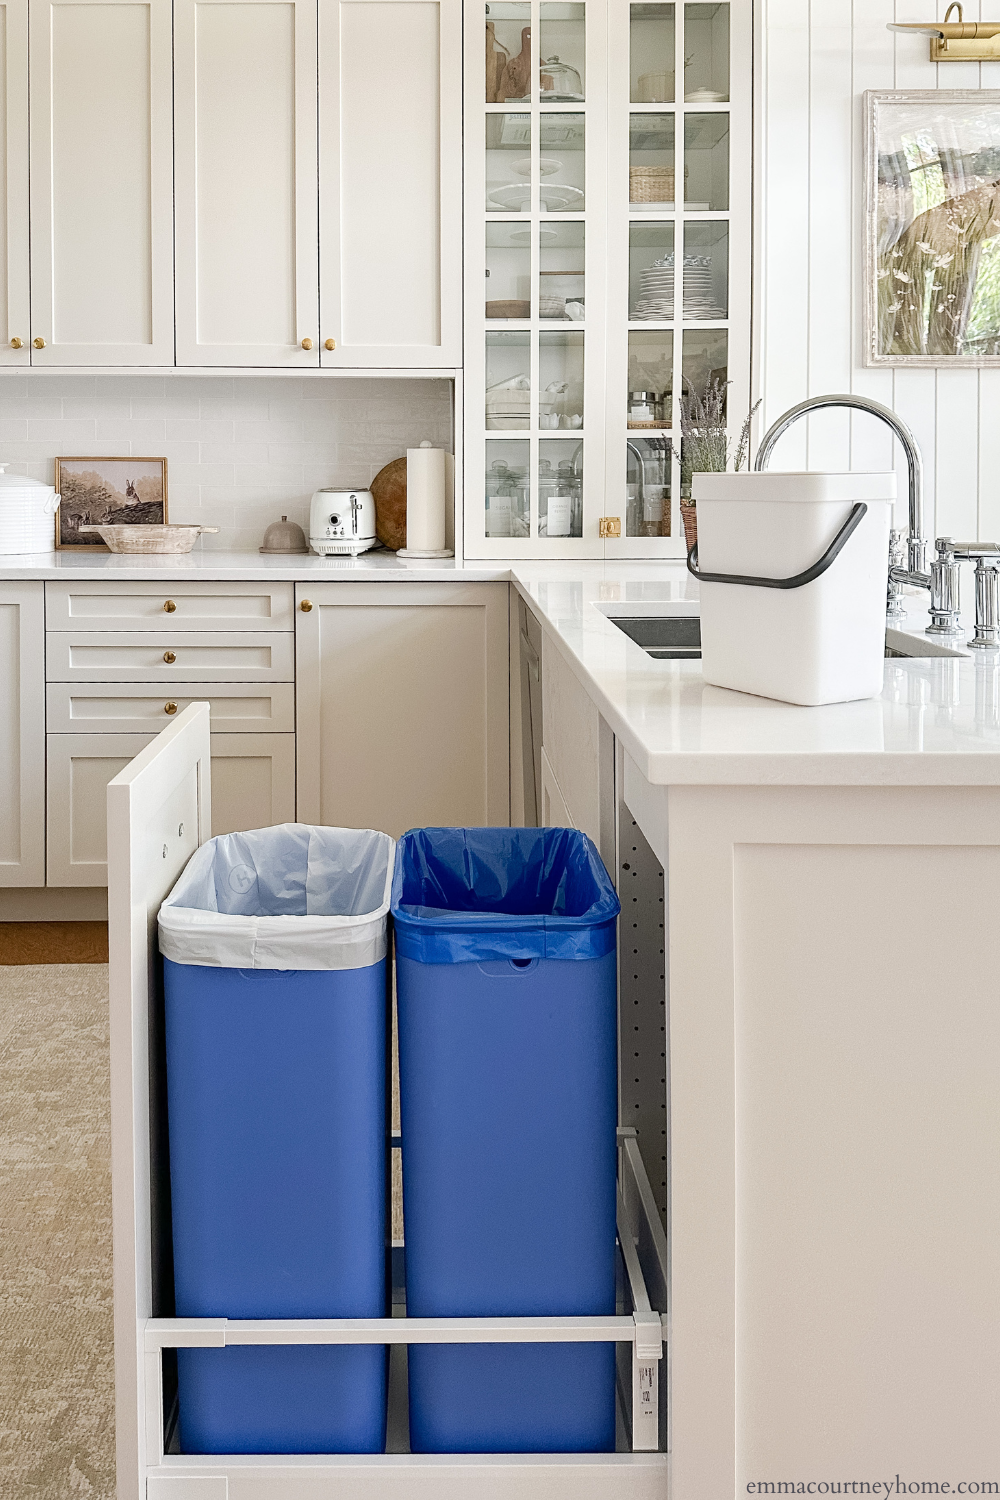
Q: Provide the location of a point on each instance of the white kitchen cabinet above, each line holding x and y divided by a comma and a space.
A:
131, 707
390, 182
195, 656
245, 165
22, 734
402, 704
15, 310
101, 183
253, 785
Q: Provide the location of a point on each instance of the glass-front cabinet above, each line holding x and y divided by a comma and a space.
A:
604, 308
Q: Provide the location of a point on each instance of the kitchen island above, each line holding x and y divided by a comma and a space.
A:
810, 1038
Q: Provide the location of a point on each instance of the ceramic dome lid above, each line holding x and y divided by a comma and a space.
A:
284, 536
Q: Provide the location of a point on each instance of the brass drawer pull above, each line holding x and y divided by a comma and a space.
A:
169, 658
306, 606
307, 343
170, 708
17, 343
330, 345
38, 343
170, 606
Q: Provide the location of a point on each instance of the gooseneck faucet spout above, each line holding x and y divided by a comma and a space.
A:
915, 554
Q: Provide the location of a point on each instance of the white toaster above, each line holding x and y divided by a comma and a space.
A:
342, 521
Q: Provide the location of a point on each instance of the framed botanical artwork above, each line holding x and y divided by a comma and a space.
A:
932, 227
108, 491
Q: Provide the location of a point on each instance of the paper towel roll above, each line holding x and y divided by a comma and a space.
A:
425, 499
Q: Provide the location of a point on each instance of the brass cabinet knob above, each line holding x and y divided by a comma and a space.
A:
38, 343
306, 606
307, 343
330, 344
170, 708
169, 658
17, 343
170, 606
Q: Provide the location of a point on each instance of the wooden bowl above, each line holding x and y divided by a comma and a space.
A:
148, 539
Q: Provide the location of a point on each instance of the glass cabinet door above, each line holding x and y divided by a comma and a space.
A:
532, 367
607, 246
678, 230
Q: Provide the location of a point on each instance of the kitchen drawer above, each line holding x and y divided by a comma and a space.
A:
146, 606
131, 707
253, 786
110, 656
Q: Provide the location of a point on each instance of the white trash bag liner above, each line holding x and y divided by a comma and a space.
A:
288, 897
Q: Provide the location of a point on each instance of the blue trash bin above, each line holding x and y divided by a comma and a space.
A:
507, 1003
274, 947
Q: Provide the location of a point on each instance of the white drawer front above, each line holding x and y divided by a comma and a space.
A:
253, 786
147, 606
126, 657
132, 707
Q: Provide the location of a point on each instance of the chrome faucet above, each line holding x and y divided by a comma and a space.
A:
907, 551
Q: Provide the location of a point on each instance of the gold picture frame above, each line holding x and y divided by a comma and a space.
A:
116, 491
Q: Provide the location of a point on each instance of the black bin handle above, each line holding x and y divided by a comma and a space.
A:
850, 526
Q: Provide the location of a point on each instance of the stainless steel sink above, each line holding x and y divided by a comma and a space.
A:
678, 638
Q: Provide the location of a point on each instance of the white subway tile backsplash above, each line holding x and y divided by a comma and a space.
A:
241, 451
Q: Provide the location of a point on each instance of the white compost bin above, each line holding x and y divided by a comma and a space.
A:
764, 628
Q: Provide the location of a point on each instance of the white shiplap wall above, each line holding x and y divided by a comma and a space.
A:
816, 59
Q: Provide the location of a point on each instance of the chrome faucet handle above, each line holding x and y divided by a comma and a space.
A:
987, 632
894, 609
945, 573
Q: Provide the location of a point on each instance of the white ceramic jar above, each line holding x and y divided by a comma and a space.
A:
27, 512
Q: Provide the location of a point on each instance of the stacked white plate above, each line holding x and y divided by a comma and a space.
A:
656, 290
27, 510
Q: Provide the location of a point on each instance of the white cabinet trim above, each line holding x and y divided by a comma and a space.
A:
17, 321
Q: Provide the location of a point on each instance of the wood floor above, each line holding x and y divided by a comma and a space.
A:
53, 943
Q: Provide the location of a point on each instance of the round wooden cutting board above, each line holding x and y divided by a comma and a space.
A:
389, 490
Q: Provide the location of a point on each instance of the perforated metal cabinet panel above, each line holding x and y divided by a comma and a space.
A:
642, 1001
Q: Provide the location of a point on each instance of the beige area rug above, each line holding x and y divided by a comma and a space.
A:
56, 1364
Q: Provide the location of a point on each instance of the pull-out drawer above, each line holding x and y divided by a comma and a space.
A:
131, 707
111, 656
169, 606
253, 785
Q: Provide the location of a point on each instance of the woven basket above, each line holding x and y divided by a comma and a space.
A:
651, 184
509, 309
689, 515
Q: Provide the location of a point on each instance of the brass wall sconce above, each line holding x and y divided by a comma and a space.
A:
957, 41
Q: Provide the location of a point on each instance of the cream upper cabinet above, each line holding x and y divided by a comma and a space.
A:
245, 166
101, 182
15, 313
390, 184
22, 734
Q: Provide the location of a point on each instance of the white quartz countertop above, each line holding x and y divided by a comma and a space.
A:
937, 722
99, 566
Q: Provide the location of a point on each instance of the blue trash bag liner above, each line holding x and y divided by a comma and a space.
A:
294, 896
469, 894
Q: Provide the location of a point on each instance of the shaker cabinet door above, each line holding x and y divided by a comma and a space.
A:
15, 313
402, 705
253, 786
101, 183
22, 734
247, 260
390, 131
